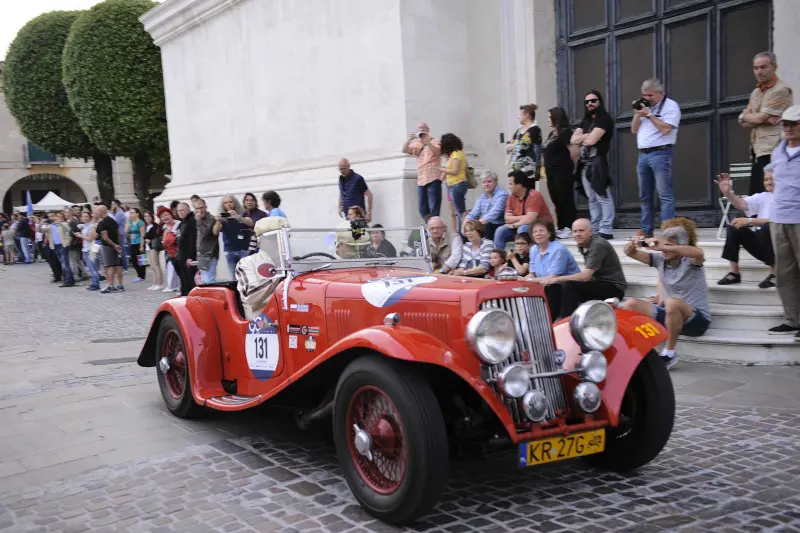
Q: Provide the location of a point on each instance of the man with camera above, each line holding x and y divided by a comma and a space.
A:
655, 123
428, 152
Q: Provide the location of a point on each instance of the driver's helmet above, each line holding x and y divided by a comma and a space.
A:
347, 247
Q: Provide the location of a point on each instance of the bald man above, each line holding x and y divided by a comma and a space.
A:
353, 191
601, 277
108, 231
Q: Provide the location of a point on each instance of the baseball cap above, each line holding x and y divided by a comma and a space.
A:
792, 114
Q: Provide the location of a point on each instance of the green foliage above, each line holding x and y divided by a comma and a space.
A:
34, 90
112, 74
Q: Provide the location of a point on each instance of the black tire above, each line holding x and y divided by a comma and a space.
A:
184, 406
423, 432
646, 419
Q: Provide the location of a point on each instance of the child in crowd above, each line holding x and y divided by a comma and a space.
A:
497, 266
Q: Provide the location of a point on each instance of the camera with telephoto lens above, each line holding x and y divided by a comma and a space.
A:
640, 103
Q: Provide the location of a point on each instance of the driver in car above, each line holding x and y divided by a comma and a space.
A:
255, 275
347, 247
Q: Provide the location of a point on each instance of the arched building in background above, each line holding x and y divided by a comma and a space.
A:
246, 113
26, 167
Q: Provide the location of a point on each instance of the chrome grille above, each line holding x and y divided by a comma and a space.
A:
534, 336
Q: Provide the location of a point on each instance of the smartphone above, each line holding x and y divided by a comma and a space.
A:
225, 214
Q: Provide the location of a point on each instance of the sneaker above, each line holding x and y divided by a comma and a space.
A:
670, 362
137, 280
607, 236
67, 285
108, 289
564, 233
768, 282
92, 288
166, 290
731, 278
120, 288
157, 287
783, 329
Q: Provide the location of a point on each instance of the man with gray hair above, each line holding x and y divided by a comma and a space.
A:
655, 124
768, 101
490, 208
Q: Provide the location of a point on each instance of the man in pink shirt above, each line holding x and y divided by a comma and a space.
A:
429, 156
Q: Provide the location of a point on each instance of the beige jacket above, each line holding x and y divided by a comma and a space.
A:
773, 100
255, 288
63, 229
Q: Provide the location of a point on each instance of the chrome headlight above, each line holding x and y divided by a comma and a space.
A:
594, 325
514, 381
492, 335
587, 396
534, 404
593, 367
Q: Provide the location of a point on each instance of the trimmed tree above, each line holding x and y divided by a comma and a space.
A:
36, 97
112, 74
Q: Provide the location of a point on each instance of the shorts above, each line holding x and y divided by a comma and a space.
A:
695, 326
111, 257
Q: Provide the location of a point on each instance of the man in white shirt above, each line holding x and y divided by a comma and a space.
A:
750, 232
656, 127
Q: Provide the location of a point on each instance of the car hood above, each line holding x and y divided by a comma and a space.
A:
379, 285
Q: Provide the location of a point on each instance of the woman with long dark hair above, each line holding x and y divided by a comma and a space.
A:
455, 174
559, 165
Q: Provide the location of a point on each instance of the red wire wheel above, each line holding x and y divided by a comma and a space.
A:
383, 465
175, 377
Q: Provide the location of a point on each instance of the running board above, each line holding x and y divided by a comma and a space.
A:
233, 402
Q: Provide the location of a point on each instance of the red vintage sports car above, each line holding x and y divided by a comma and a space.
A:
407, 362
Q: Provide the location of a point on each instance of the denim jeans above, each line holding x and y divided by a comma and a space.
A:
233, 259
24, 244
78, 270
505, 234
94, 268
430, 199
601, 208
655, 175
63, 259
458, 193
210, 275
123, 242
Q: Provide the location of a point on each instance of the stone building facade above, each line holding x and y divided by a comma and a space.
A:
269, 94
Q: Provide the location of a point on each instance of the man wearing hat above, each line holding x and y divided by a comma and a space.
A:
255, 281
785, 221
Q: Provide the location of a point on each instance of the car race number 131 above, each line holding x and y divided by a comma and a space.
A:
262, 347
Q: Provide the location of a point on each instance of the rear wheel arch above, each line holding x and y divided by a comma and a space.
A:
147, 357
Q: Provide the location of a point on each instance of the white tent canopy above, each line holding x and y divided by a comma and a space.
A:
50, 202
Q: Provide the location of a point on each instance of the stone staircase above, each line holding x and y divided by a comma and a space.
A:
741, 314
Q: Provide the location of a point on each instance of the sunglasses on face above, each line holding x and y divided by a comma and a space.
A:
592, 101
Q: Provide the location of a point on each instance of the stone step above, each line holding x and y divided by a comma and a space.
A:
746, 317
741, 347
751, 270
745, 293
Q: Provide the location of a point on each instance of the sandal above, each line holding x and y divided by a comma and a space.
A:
768, 282
730, 278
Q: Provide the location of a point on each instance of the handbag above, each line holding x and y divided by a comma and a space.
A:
141, 260
472, 180
156, 244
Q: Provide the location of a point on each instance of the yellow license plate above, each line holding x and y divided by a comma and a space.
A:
539, 452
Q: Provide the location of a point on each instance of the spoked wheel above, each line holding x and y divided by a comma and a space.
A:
390, 438
172, 367
377, 443
647, 415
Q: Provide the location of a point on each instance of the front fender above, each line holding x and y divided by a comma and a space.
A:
202, 341
413, 345
624, 356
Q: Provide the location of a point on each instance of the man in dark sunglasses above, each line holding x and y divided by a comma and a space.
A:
655, 123
785, 221
594, 138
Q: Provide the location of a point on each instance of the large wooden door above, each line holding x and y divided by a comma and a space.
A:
701, 49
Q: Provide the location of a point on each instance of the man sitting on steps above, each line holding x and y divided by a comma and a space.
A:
682, 302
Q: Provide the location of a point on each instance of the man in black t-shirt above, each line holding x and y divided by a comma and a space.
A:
108, 232
594, 138
74, 252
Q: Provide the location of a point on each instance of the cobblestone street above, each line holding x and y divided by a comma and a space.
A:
87, 446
